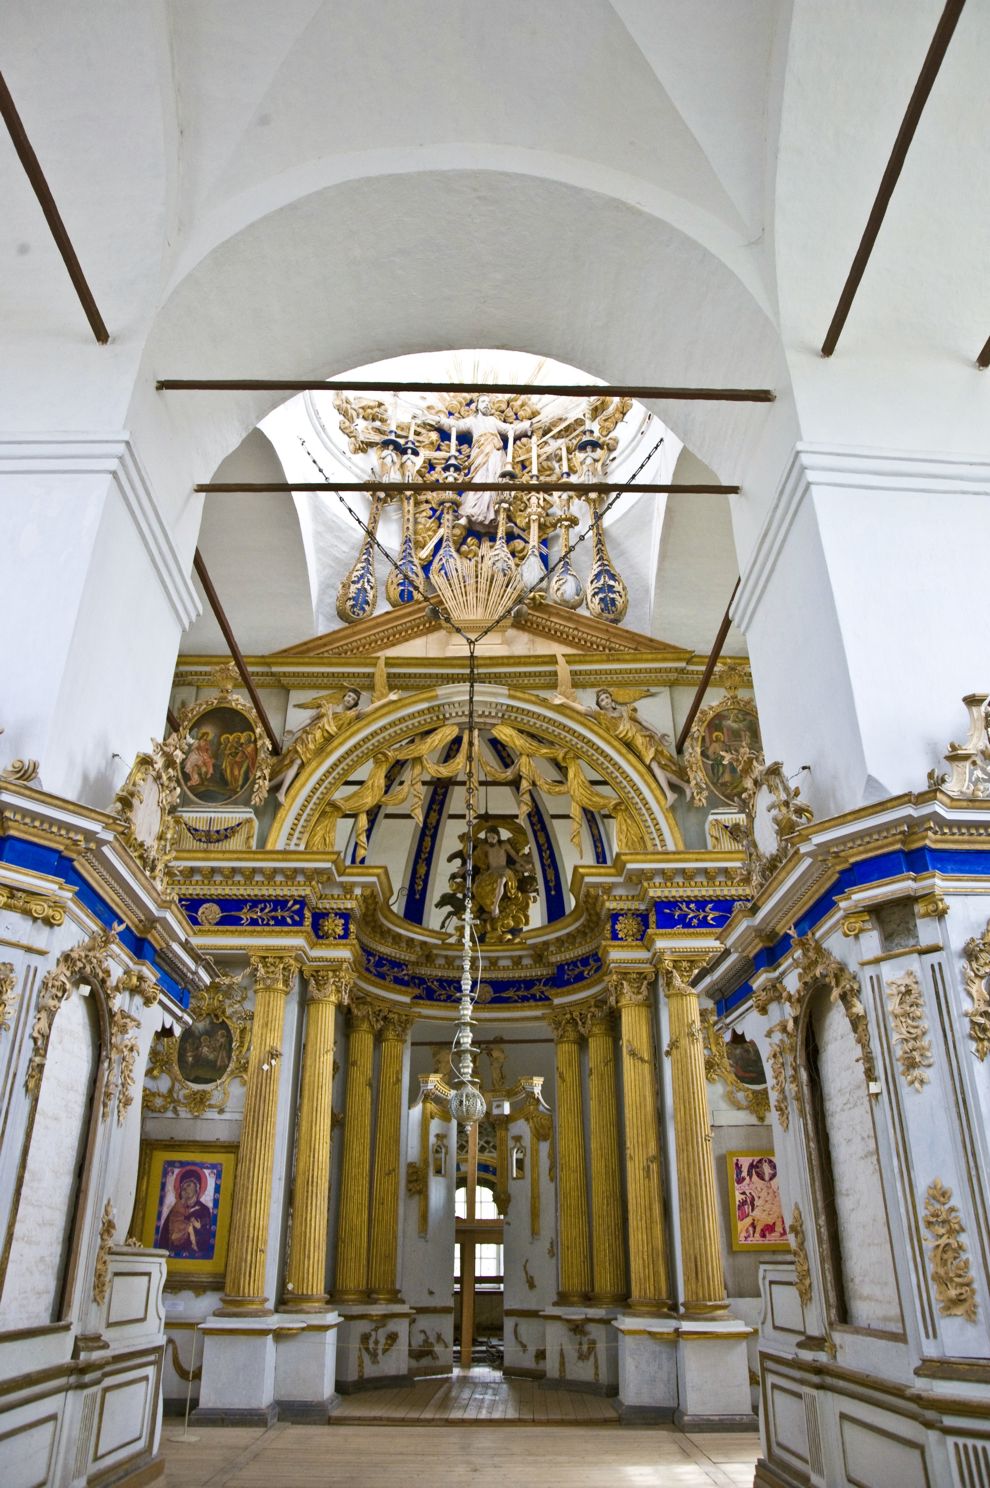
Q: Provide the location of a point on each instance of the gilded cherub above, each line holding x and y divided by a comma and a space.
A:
615, 711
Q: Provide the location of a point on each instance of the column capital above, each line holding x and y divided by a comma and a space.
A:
565, 1026
596, 1019
273, 973
630, 986
394, 1024
329, 984
363, 1011
676, 976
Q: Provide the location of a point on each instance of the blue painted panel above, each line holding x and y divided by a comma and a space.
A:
694, 914
261, 913
39, 859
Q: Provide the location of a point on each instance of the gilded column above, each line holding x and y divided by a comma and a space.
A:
573, 1252
248, 1247
351, 1279
305, 1277
382, 1269
649, 1285
701, 1250
608, 1248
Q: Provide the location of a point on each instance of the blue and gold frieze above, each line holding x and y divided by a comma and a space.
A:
263, 913
426, 843
694, 914
493, 991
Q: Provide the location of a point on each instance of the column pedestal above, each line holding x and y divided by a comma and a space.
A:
237, 1386
373, 1347
306, 1366
647, 1349
582, 1350
713, 1377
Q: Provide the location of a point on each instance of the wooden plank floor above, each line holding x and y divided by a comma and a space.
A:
450, 1456
476, 1396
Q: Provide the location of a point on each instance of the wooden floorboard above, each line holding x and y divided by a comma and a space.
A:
484, 1454
477, 1396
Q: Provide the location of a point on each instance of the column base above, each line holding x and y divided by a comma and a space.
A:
306, 1365
647, 1367
373, 1346
581, 1350
237, 1387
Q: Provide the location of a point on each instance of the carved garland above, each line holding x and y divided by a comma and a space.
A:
952, 1278
8, 998
976, 970
783, 1067
907, 1017
802, 1270
101, 1271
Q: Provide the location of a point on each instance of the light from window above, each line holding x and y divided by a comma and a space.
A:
485, 1206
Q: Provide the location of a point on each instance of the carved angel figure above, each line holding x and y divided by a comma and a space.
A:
304, 743
615, 711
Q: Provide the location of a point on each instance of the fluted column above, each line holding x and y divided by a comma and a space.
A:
649, 1285
701, 1250
608, 1248
249, 1222
351, 1279
382, 1270
305, 1276
573, 1251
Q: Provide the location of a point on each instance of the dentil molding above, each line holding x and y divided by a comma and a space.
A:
852, 468
112, 455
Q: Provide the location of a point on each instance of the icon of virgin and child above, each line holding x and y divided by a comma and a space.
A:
188, 1227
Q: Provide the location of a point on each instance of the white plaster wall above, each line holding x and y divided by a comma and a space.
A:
867, 1261
49, 1193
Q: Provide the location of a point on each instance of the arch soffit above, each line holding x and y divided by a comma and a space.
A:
391, 724
465, 260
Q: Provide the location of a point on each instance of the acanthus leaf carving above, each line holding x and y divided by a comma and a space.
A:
907, 1017
976, 972
952, 1278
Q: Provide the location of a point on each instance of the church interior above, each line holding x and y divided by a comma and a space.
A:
494, 743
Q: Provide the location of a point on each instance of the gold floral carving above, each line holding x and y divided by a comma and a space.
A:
222, 1002
47, 910
815, 964
122, 1058
764, 997
976, 971
783, 1070
145, 802
907, 1016
802, 1271
952, 1278
8, 999
86, 962
753, 1098
101, 1271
